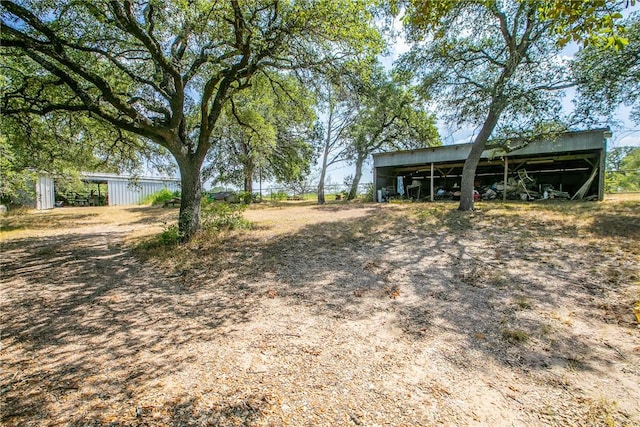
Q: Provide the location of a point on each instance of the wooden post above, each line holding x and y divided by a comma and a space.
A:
601, 169
375, 185
506, 176
431, 197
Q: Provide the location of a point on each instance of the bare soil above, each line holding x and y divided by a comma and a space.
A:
346, 314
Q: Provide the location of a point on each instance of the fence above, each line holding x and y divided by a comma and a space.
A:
279, 193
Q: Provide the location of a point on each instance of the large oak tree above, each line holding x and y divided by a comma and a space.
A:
493, 65
164, 70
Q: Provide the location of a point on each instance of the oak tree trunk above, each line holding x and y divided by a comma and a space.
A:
248, 180
325, 157
469, 176
321, 200
356, 178
189, 219
471, 164
323, 172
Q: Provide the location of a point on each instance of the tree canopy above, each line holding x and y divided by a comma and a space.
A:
389, 116
609, 78
494, 66
267, 131
623, 169
594, 22
165, 70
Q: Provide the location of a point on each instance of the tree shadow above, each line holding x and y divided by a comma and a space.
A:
616, 225
454, 273
80, 304
153, 214
245, 410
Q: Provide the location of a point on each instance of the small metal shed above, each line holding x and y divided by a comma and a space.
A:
127, 190
565, 162
122, 190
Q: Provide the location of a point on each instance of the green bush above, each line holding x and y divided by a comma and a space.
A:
170, 236
245, 197
367, 196
223, 216
159, 197
279, 196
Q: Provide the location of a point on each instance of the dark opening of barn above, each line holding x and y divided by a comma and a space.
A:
569, 165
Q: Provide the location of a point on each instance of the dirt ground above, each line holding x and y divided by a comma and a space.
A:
348, 314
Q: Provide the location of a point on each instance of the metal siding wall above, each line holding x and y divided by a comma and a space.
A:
172, 186
123, 194
112, 191
134, 193
45, 195
148, 188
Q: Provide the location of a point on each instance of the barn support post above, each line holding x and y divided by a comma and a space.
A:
431, 182
375, 185
601, 166
506, 177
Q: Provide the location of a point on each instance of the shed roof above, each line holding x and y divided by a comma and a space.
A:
575, 141
104, 176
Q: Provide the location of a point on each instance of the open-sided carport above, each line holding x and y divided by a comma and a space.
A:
567, 162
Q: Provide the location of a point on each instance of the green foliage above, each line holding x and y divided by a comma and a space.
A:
590, 23
170, 236
369, 194
608, 78
391, 116
623, 169
159, 197
246, 197
14, 178
266, 132
218, 216
279, 196
496, 76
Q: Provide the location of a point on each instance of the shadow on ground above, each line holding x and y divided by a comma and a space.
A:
75, 306
454, 272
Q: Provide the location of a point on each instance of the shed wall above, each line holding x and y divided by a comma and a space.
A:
45, 194
125, 192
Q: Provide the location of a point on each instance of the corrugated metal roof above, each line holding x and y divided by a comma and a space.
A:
571, 141
113, 176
